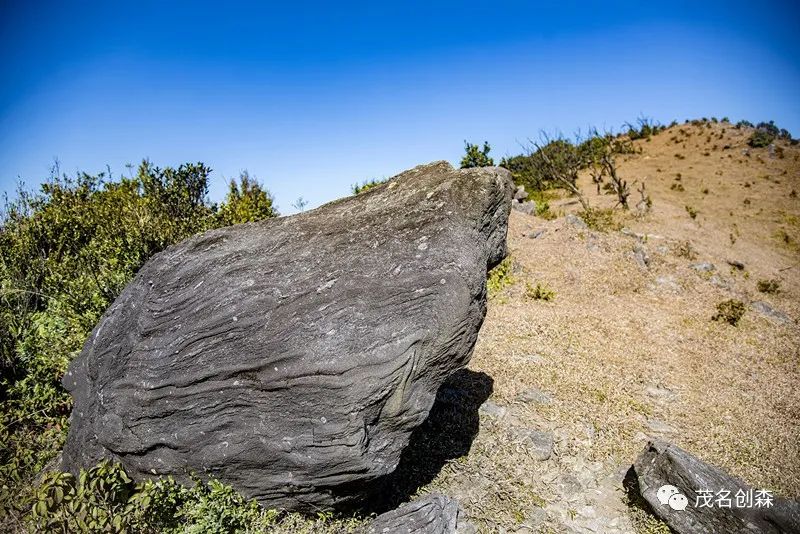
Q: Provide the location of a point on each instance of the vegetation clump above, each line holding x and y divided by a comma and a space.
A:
66, 252
539, 292
366, 185
729, 311
770, 286
476, 157
500, 277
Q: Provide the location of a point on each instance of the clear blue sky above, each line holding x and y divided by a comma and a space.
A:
311, 97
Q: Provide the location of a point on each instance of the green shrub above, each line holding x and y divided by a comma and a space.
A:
768, 286
366, 185
475, 157
729, 311
104, 498
599, 219
760, 139
66, 252
500, 277
539, 292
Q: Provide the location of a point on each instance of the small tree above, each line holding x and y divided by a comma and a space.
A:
558, 161
247, 201
475, 157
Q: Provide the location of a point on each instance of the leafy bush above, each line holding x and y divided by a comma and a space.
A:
539, 292
104, 498
247, 201
366, 185
500, 277
599, 219
65, 253
768, 286
760, 139
475, 157
729, 311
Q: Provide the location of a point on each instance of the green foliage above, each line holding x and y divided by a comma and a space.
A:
729, 311
599, 219
104, 498
643, 129
366, 185
539, 292
770, 286
760, 139
500, 277
65, 253
247, 201
475, 157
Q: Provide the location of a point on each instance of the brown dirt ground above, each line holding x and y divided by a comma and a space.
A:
615, 328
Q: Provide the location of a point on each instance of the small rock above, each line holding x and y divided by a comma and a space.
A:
539, 444
537, 233
536, 517
491, 409
574, 220
520, 194
660, 393
720, 282
432, 514
736, 264
568, 486
534, 396
768, 311
528, 208
669, 283
640, 255
704, 267
659, 427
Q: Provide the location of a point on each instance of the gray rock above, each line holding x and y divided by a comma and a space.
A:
668, 282
432, 514
492, 409
536, 234
640, 255
574, 220
720, 282
768, 311
663, 464
704, 267
534, 396
660, 393
539, 444
292, 358
736, 264
660, 427
528, 208
520, 194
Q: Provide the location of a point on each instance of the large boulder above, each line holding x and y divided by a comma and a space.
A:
292, 358
693, 497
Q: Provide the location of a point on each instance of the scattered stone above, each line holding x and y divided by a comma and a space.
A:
520, 194
536, 517
720, 282
536, 234
292, 358
704, 267
529, 208
668, 282
432, 514
493, 410
662, 463
736, 264
768, 311
660, 427
568, 486
577, 222
539, 444
660, 393
534, 396
640, 255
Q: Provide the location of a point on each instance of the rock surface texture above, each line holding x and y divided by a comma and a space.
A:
431, 514
663, 464
292, 358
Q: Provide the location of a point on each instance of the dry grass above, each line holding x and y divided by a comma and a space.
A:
617, 328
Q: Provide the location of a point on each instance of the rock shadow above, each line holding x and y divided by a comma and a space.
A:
447, 433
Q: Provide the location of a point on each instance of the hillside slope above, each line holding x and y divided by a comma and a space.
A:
627, 350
